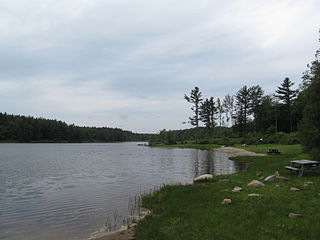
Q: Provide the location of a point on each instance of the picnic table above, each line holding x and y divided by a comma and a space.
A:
273, 151
301, 166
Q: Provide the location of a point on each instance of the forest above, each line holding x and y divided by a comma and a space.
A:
16, 128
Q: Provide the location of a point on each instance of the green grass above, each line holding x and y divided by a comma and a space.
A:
195, 211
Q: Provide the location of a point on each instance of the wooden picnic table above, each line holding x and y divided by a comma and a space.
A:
302, 166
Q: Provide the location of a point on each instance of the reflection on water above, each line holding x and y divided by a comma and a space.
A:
56, 191
213, 162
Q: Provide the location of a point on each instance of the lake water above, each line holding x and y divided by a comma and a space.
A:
65, 191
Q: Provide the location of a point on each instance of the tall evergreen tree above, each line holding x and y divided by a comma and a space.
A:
310, 127
228, 103
256, 98
287, 96
195, 99
207, 112
221, 110
243, 101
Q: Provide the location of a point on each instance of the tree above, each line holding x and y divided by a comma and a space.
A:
228, 104
310, 126
287, 96
243, 101
256, 98
221, 110
195, 99
207, 112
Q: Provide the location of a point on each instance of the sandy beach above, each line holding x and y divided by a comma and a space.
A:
238, 152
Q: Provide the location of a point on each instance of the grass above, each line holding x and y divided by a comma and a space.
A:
195, 211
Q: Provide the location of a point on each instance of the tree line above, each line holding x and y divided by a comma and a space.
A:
16, 128
249, 109
288, 115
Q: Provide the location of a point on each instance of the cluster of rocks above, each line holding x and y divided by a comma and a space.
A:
255, 183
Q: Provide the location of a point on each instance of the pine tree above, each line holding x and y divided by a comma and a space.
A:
243, 101
287, 96
228, 104
208, 111
195, 99
221, 110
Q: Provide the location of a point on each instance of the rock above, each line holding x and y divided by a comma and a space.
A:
203, 177
270, 178
261, 178
258, 174
277, 185
283, 178
236, 189
224, 180
276, 173
307, 183
226, 201
293, 189
255, 183
254, 195
294, 215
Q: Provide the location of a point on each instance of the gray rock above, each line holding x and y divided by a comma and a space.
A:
254, 195
294, 215
293, 189
236, 189
203, 177
255, 183
270, 178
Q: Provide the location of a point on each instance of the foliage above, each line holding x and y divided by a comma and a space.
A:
195, 99
310, 126
207, 112
15, 128
285, 94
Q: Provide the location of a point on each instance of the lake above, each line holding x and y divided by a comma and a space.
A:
66, 191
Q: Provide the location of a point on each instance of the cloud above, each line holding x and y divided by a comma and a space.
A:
128, 63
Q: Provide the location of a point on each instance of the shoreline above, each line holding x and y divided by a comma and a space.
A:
238, 152
127, 234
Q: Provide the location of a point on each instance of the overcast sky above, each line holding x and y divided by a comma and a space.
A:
128, 63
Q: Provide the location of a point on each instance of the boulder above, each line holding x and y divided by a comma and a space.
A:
203, 177
276, 173
226, 201
236, 189
294, 215
293, 189
258, 174
307, 184
255, 183
270, 178
254, 195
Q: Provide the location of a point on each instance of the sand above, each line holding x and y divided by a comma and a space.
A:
238, 152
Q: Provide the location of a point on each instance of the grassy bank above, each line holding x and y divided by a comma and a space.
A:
195, 211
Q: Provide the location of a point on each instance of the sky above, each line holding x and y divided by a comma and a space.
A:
128, 63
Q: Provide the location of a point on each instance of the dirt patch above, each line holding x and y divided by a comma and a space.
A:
238, 152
